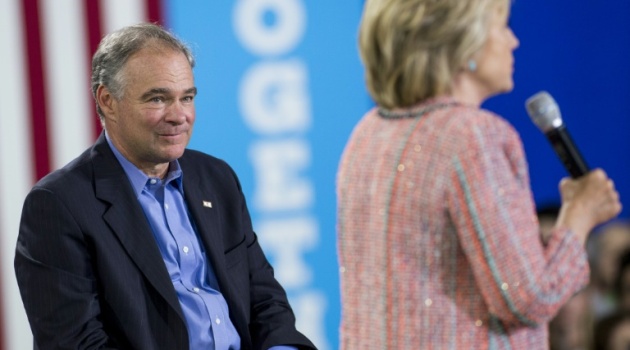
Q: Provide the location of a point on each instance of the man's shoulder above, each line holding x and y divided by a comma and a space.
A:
193, 158
74, 173
201, 167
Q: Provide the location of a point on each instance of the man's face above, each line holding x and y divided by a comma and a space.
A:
152, 123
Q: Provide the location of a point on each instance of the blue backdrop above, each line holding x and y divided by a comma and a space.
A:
579, 53
281, 86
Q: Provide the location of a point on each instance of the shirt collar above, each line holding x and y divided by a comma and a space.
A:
139, 179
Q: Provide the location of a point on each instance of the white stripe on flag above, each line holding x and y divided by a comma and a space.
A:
64, 37
119, 13
16, 167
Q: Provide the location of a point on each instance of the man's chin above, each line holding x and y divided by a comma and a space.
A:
172, 153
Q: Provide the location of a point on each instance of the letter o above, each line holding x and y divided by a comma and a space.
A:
265, 40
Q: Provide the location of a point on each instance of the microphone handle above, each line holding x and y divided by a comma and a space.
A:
567, 151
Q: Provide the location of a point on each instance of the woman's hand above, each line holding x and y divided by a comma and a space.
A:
587, 202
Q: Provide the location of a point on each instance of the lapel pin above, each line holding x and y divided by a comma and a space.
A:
207, 204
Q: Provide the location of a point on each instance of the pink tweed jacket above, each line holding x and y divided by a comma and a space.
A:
438, 239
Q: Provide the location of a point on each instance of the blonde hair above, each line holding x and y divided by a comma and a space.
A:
412, 49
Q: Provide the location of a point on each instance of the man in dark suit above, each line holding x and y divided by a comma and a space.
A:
139, 243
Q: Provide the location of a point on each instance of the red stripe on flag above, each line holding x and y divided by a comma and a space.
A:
37, 86
154, 11
94, 28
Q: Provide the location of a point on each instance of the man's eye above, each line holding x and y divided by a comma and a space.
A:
189, 98
156, 99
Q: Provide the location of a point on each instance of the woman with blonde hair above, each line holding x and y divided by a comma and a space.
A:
438, 240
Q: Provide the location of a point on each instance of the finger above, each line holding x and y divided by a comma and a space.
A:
565, 182
599, 174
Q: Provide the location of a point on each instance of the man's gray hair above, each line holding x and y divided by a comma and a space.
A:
116, 48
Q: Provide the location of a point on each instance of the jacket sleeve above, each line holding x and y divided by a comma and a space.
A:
521, 280
55, 277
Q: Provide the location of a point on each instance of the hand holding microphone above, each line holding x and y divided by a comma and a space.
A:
588, 199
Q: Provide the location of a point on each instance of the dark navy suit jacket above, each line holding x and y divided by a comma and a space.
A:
91, 275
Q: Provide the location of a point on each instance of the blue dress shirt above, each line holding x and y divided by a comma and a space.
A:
205, 309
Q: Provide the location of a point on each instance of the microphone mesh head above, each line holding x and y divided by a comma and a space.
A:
544, 111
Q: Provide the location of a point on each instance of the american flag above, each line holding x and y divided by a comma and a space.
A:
47, 116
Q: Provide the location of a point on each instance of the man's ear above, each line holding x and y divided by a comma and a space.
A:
105, 100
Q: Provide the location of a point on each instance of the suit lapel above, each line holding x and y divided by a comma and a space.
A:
201, 202
199, 189
127, 220
205, 207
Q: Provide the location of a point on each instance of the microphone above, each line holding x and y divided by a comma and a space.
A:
544, 112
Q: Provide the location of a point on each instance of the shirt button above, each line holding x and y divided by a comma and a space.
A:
153, 181
217, 320
166, 206
185, 249
196, 290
